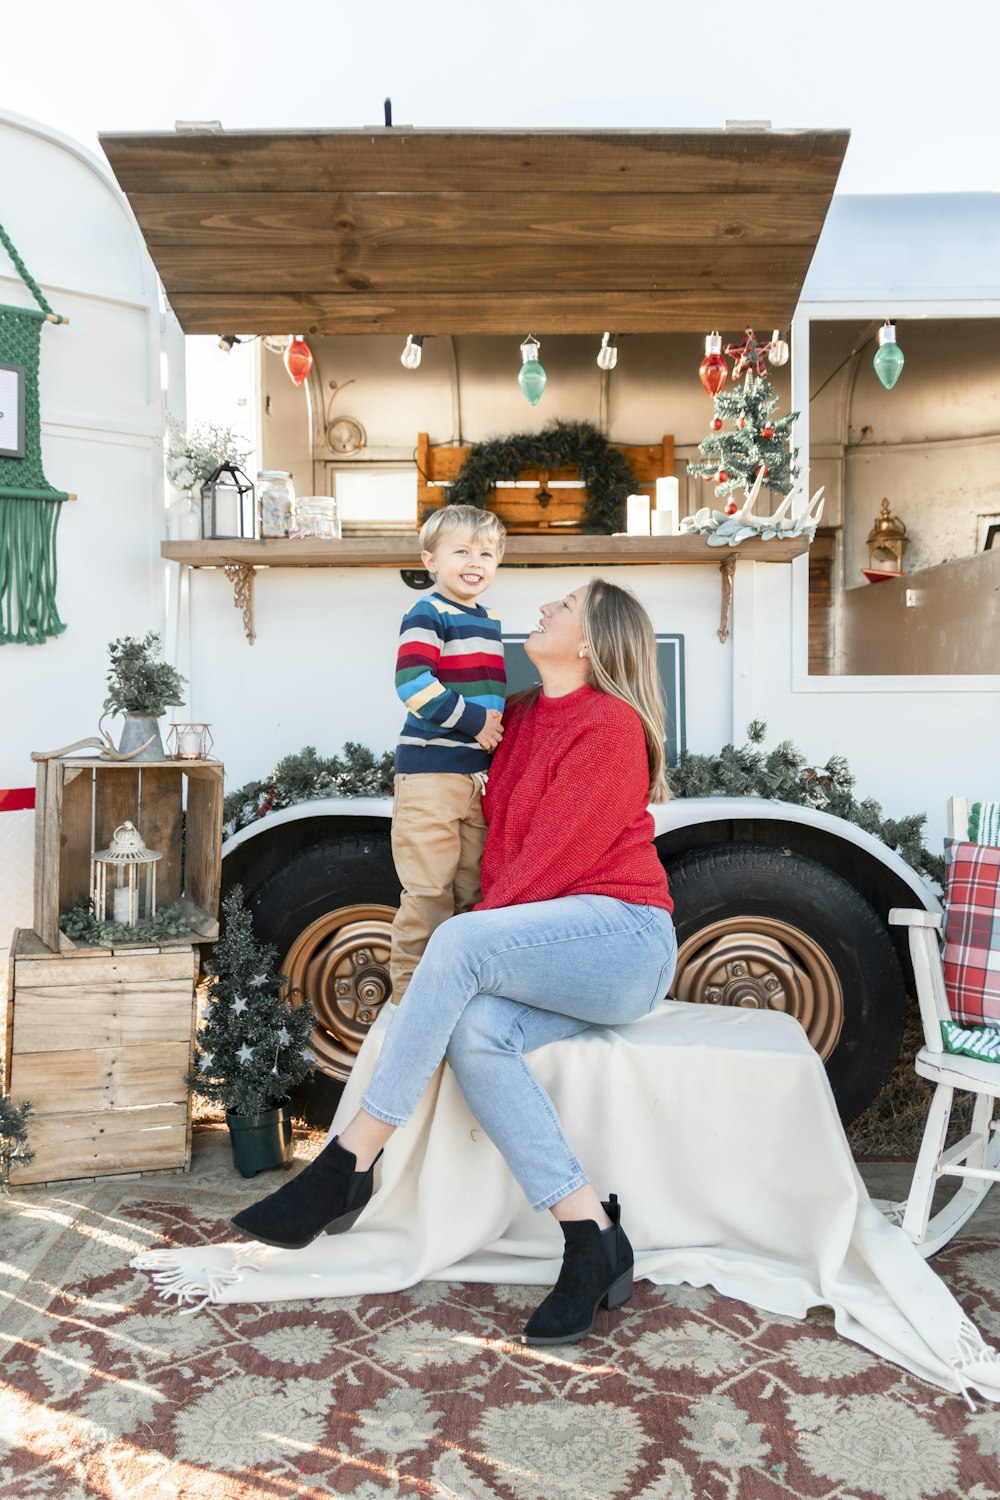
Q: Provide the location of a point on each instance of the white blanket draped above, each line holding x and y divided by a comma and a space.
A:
717, 1130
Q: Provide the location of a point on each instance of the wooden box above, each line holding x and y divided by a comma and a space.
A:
100, 1044
520, 508
177, 808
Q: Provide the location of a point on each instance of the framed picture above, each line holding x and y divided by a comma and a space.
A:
11, 411
670, 659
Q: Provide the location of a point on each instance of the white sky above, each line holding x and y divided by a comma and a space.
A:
915, 82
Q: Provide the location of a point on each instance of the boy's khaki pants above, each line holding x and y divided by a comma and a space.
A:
438, 833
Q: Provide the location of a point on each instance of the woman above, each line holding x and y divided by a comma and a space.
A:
573, 930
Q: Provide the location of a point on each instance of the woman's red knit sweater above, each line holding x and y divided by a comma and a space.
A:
566, 805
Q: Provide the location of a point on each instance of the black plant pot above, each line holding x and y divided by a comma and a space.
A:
263, 1140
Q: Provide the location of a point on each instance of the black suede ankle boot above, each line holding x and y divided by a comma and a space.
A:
596, 1272
327, 1195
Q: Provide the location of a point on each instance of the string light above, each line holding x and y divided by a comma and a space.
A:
607, 355
777, 349
888, 359
298, 360
531, 377
413, 351
713, 370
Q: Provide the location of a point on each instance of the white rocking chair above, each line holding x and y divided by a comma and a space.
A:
975, 1159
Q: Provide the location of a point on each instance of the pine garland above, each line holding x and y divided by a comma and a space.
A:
304, 776
13, 1138
782, 773
253, 1046
606, 473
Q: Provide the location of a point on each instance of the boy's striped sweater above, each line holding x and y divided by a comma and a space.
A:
449, 674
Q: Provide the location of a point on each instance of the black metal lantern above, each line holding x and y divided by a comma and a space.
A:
227, 508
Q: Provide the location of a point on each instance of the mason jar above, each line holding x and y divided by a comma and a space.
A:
316, 515
275, 502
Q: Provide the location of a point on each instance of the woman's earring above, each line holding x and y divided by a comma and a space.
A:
583, 652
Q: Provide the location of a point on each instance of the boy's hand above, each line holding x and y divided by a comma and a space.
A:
492, 731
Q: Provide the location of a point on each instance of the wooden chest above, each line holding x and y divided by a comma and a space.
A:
100, 1041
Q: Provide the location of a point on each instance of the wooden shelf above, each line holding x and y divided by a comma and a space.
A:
242, 561
547, 550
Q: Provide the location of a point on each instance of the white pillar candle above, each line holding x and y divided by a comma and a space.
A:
189, 744
667, 506
121, 912
637, 515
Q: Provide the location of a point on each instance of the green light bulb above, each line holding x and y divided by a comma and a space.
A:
888, 359
531, 377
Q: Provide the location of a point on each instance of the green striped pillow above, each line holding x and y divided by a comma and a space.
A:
984, 823
982, 1042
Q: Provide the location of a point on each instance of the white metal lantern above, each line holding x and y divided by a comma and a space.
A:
190, 741
118, 868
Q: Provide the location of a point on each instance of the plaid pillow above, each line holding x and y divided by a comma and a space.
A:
982, 1042
972, 932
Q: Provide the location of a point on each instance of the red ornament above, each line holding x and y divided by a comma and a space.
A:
767, 432
741, 421
732, 508
298, 360
716, 424
763, 470
713, 370
722, 476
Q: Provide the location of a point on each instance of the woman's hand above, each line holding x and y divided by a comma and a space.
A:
492, 731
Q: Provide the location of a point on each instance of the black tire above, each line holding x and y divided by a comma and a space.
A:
345, 877
771, 929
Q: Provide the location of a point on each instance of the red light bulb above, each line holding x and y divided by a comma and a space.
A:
767, 432
713, 370
722, 476
298, 360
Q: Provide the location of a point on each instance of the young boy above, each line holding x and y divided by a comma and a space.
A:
450, 675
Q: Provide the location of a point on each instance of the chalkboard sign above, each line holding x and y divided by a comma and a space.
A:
670, 654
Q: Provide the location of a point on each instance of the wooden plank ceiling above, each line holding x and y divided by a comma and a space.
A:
436, 232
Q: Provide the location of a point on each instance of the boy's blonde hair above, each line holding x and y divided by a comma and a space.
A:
621, 645
483, 524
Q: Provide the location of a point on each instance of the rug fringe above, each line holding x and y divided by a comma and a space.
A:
198, 1285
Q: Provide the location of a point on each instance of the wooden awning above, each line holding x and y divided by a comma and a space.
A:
438, 231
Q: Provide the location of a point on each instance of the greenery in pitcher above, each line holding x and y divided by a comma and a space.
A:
139, 680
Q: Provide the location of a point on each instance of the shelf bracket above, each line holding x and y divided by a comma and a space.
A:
727, 568
241, 576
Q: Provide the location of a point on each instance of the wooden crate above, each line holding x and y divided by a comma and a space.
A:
519, 509
101, 1045
177, 808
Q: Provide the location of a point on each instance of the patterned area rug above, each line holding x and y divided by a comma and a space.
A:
682, 1395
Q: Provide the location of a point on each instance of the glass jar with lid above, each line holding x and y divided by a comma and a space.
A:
275, 502
316, 515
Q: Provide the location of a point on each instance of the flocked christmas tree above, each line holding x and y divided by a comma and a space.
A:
253, 1046
745, 436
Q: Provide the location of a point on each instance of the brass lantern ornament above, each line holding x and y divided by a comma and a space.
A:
886, 540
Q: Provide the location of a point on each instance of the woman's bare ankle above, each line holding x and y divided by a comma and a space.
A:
364, 1136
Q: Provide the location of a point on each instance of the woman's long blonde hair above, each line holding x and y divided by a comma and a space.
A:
618, 634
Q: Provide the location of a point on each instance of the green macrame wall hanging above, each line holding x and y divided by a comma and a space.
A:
29, 506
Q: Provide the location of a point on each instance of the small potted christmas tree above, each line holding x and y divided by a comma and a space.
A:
253, 1046
13, 1138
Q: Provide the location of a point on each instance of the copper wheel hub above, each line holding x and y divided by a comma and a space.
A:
341, 963
764, 964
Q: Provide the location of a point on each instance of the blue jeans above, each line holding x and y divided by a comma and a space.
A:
493, 985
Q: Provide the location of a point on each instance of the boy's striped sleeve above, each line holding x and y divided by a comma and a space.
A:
421, 637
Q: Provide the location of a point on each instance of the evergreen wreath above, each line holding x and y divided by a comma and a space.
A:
606, 473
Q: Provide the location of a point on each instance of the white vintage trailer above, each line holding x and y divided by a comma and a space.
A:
777, 905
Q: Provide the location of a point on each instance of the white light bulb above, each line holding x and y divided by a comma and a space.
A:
778, 352
607, 355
